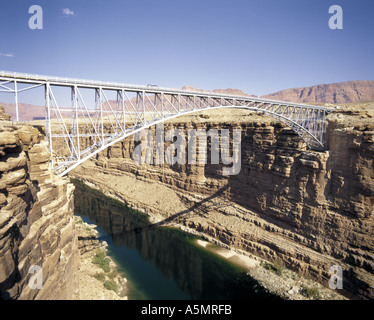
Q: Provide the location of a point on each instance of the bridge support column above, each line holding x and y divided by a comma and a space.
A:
48, 120
16, 99
75, 119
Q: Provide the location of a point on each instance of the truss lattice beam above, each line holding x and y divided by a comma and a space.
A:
120, 110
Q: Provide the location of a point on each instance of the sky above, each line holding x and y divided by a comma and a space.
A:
258, 46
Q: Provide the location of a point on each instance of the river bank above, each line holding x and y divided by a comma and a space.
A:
280, 281
153, 198
98, 275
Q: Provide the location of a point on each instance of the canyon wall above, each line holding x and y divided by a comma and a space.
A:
305, 210
39, 255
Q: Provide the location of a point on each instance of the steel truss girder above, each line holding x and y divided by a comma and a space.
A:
134, 108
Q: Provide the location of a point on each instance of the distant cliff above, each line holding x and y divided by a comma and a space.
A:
237, 92
344, 92
26, 111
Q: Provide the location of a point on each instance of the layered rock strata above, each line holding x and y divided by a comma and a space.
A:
305, 210
39, 255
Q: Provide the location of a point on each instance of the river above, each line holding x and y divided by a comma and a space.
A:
162, 262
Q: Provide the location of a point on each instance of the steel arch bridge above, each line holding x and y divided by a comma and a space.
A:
106, 120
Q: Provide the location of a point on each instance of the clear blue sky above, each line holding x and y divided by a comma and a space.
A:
259, 46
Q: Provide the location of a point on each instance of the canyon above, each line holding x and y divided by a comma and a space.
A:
302, 209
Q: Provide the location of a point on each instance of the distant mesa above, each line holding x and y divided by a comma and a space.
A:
190, 88
26, 111
236, 92
335, 93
